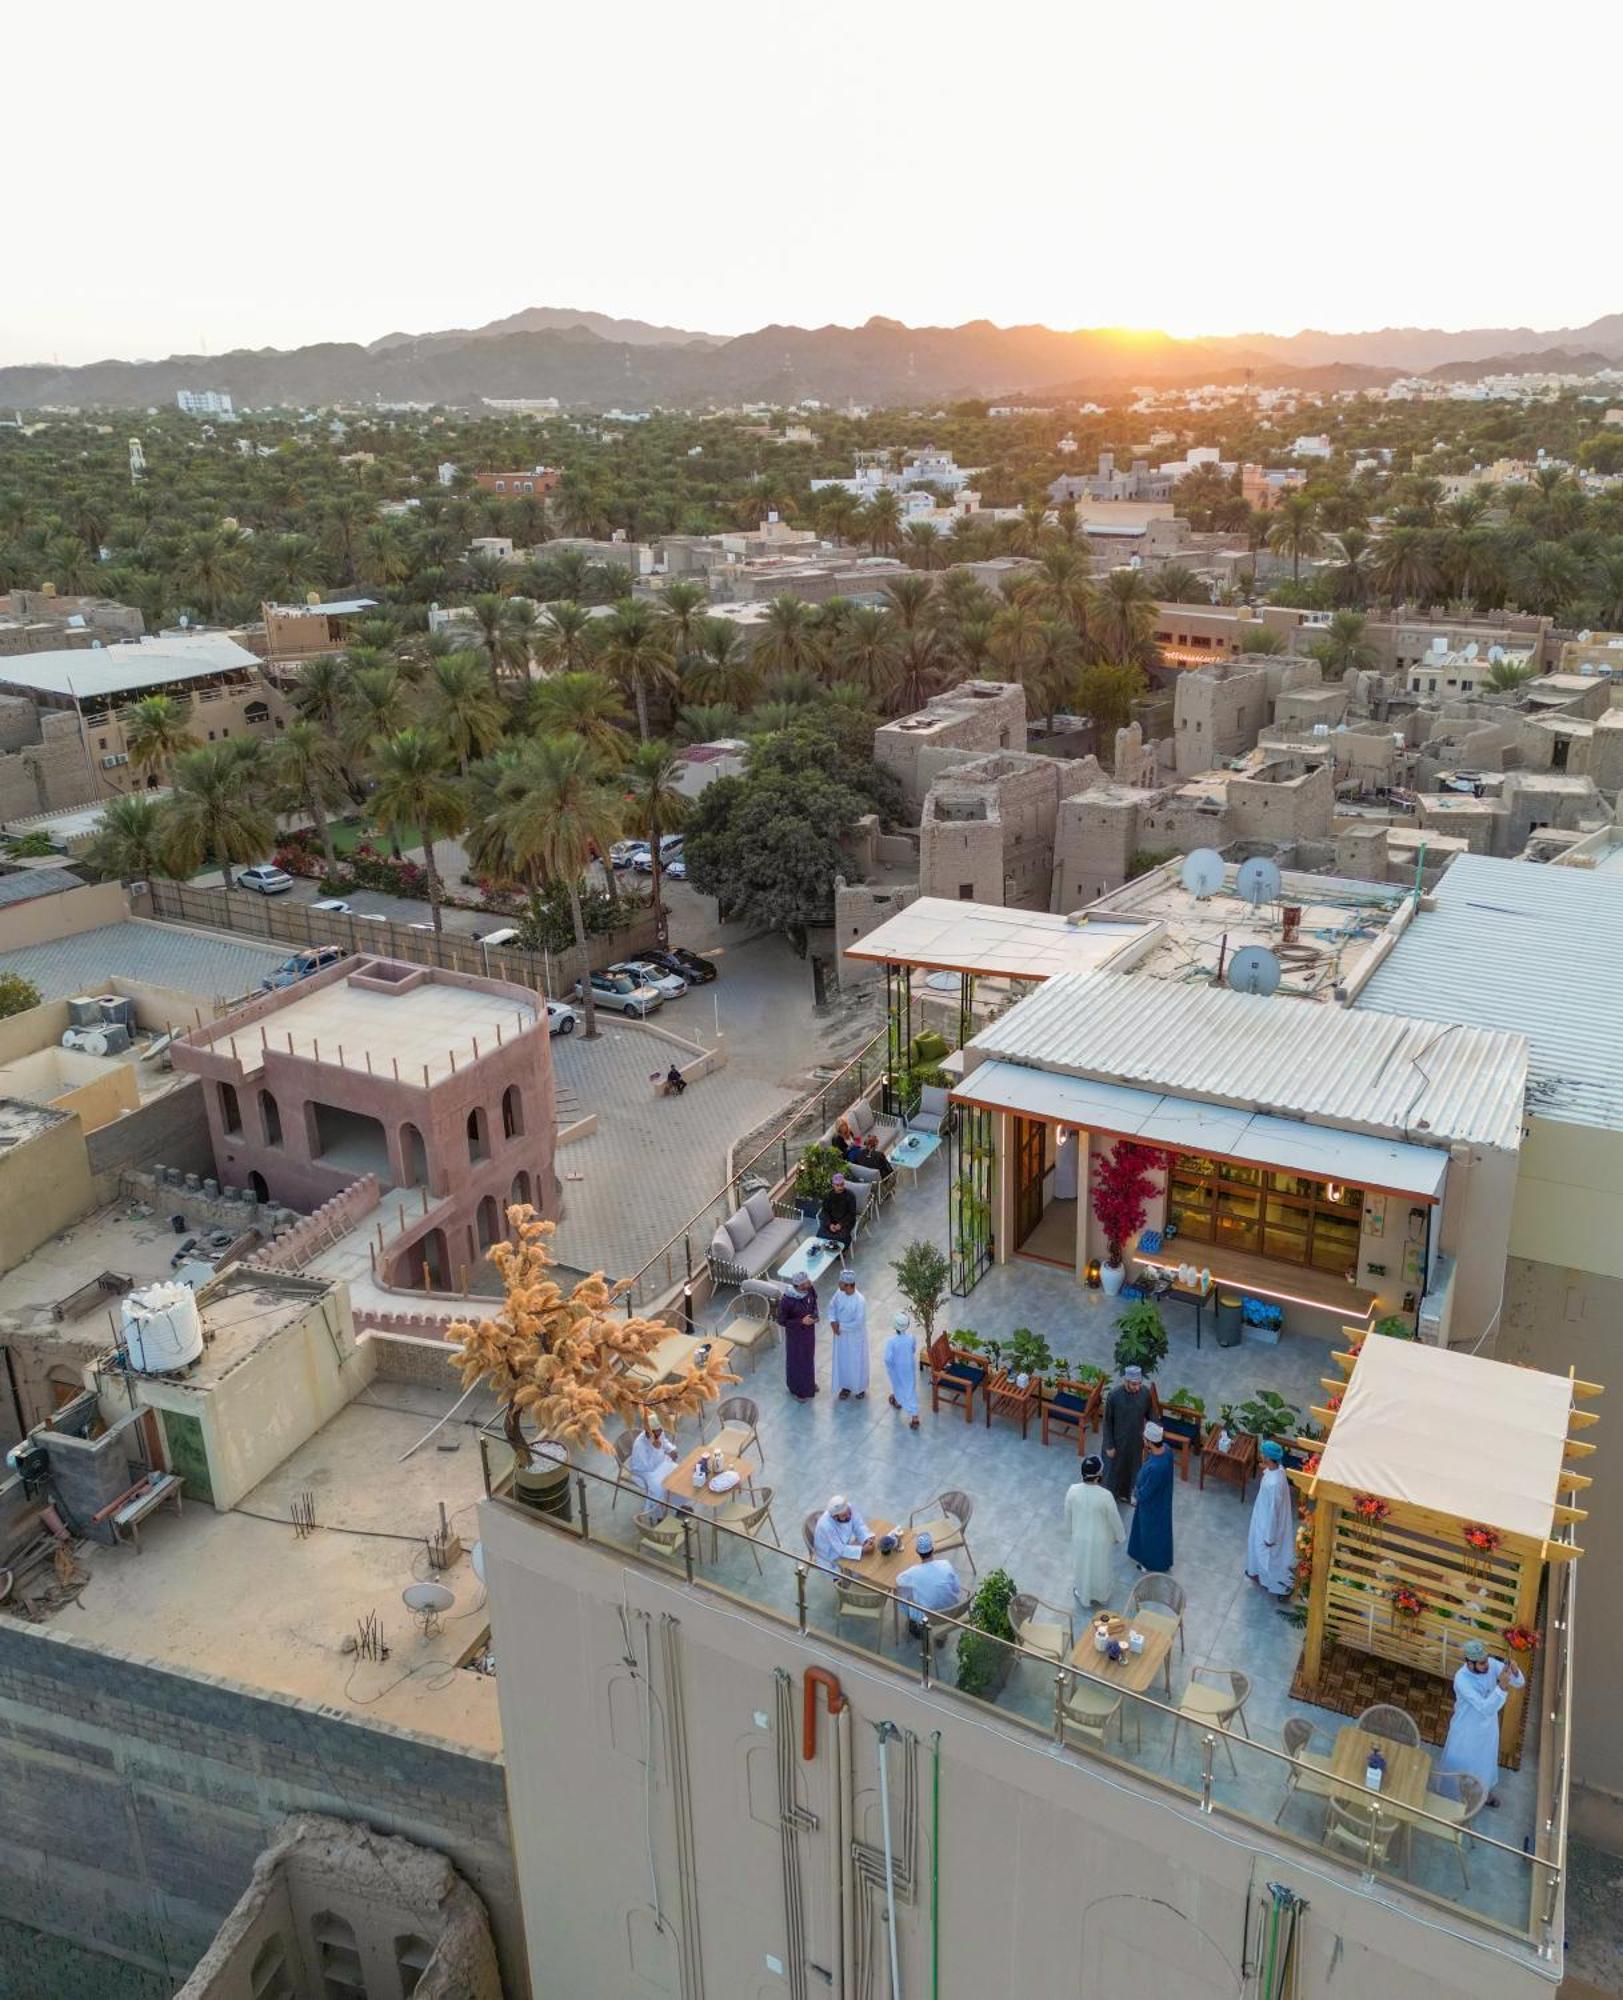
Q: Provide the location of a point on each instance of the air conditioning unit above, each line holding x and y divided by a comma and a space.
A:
113, 759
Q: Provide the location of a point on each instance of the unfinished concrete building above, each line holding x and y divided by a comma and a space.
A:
976, 716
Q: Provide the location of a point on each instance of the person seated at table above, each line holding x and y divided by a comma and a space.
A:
930, 1584
869, 1155
841, 1534
837, 1218
650, 1462
675, 1081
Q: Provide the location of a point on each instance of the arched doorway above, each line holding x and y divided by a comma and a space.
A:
259, 1186
489, 1222
512, 1112
271, 1116
520, 1190
478, 1134
413, 1156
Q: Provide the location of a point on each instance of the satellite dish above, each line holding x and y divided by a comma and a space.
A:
1202, 873
428, 1600
1254, 970
1472, 650
1258, 881
1496, 654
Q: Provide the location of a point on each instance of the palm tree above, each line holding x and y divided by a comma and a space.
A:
868, 651
1014, 637
212, 564
1405, 565
1349, 580
1606, 581
923, 545
377, 705
1344, 649
129, 843
210, 815
560, 641
459, 707
552, 820
707, 722
1061, 589
1294, 530
506, 644
1547, 578
637, 653
1261, 639
787, 640
837, 512
305, 769
292, 562
1122, 627
415, 794
586, 705
655, 808
156, 732
921, 643
685, 606
881, 523
721, 668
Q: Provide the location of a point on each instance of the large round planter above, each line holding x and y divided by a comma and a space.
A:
1111, 1278
544, 1483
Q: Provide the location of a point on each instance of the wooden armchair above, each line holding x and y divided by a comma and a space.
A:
1073, 1409
956, 1374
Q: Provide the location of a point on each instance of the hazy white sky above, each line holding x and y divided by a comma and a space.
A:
181, 175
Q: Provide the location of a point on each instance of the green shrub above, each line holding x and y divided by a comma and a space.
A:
1395, 1327
17, 994
1141, 1338
1268, 1415
815, 1174
983, 1659
921, 1278
1186, 1399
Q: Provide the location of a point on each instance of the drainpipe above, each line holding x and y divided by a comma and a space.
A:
848, 1824
839, 1816
886, 1731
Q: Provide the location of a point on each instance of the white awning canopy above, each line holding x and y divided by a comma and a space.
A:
1187, 1125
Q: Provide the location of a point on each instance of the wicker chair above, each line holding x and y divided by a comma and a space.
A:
1363, 1833
1157, 1589
808, 1528
949, 1525
854, 1599
1395, 1724
1309, 1772
747, 1517
660, 1537
1042, 1627
1214, 1695
1461, 1801
739, 1414
1089, 1711
623, 1481
752, 1327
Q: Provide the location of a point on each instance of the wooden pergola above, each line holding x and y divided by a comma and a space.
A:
1444, 1485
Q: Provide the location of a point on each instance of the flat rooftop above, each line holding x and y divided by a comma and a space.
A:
1339, 926
241, 1595
936, 934
20, 1121
74, 823
133, 1238
429, 1024
99, 671
198, 967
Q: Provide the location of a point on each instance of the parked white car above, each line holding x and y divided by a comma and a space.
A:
334, 906
267, 878
560, 1018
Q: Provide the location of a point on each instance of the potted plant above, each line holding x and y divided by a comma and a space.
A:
1122, 1189
559, 1363
1186, 1401
986, 1653
815, 1176
1268, 1415
1029, 1355
1395, 1327
1141, 1338
921, 1278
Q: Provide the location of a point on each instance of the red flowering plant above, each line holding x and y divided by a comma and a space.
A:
1122, 1189
1406, 1602
1483, 1540
1520, 1639
1370, 1507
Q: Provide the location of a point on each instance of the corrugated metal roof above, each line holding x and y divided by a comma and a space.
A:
1424, 1080
184, 961
27, 885
108, 670
1185, 1125
1538, 949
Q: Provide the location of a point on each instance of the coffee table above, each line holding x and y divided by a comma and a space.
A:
1238, 1463
1002, 1397
811, 1258
915, 1150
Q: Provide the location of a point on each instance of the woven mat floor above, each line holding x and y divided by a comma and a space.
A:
1352, 1681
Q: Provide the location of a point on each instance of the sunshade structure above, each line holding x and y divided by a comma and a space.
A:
1444, 1487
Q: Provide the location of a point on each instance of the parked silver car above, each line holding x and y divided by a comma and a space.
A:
623, 994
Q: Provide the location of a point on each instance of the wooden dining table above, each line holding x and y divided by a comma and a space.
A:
673, 1356
1133, 1672
680, 1487
1408, 1769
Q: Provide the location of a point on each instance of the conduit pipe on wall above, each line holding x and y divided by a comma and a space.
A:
848, 1834
886, 1731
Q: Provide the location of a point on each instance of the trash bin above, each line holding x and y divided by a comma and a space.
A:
1230, 1319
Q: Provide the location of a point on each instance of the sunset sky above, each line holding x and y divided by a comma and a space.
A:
182, 176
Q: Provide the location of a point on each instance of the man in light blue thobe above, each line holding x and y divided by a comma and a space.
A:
1481, 1689
848, 1324
902, 1370
930, 1584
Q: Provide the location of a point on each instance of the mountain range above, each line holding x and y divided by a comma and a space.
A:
591, 361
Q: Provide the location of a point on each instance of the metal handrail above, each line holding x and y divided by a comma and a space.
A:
804, 1563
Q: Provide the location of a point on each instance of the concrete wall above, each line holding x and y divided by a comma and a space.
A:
170, 1131
979, 715
38, 1027
135, 1800
861, 907
48, 918
1059, 1874
44, 1185
97, 1089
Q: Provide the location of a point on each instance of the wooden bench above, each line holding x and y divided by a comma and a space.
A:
131, 1508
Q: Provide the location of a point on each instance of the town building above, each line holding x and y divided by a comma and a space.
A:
538, 479
203, 403
975, 715
434, 1087
1263, 486
295, 633
1138, 483
45, 621
987, 830
62, 725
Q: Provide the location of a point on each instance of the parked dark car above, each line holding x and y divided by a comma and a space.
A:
685, 964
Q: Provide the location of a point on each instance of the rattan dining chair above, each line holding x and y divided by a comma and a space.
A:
660, 1537
1457, 1797
855, 1599
740, 1414
1042, 1627
949, 1523
1157, 1588
623, 1481
1308, 1774
1089, 1711
1362, 1832
1214, 1695
1395, 1724
747, 1517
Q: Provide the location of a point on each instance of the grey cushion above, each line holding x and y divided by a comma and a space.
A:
759, 1209
721, 1246
861, 1175
769, 1246
740, 1229
860, 1117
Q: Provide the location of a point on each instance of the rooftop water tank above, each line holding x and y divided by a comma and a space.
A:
163, 1329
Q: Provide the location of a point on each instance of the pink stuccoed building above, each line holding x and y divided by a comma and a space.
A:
428, 1080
